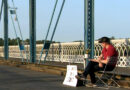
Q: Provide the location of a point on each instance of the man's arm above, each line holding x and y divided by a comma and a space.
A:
97, 60
104, 61
100, 60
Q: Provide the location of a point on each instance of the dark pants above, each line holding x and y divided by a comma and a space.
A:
93, 67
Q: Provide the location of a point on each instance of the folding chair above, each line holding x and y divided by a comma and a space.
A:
104, 75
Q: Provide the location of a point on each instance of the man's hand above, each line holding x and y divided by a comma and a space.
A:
97, 60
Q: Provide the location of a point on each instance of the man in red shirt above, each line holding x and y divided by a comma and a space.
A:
109, 54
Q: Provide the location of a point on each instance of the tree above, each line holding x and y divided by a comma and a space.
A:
27, 41
112, 38
1, 42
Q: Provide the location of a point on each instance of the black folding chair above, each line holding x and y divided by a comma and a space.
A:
112, 61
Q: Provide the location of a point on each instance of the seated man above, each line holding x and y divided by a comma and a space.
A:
99, 64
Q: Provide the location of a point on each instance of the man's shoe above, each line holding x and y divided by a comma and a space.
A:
90, 85
80, 77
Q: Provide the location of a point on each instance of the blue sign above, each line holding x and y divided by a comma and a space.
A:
21, 47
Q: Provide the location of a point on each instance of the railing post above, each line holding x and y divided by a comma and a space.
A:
32, 14
62, 50
89, 29
6, 29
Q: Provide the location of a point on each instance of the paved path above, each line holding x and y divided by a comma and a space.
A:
13, 78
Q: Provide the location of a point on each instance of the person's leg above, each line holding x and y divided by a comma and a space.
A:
92, 77
91, 71
94, 69
89, 68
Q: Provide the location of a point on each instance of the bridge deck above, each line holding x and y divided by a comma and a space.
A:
13, 78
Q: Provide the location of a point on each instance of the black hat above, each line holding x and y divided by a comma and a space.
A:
104, 39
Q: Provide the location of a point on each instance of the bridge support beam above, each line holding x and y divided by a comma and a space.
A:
6, 29
89, 29
32, 17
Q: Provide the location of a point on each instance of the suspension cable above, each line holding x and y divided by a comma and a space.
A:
20, 30
55, 27
17, 38
2, 2
48, 29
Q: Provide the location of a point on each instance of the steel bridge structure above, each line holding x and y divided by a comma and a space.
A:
88, 28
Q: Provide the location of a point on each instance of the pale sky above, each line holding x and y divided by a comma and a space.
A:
112, 18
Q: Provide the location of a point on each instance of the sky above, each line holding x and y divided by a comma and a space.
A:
112, 18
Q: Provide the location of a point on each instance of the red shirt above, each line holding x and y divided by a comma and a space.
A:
109, 52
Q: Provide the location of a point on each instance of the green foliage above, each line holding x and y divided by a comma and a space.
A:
18, 40
1, 42
112, 38
78, 41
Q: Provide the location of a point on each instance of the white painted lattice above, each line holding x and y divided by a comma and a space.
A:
73, 52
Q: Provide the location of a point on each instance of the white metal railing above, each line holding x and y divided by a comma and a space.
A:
73, 52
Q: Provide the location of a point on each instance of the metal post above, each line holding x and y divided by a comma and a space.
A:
6, 29
32, 14
89, 29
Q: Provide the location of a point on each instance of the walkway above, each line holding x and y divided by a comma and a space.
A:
13, 78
